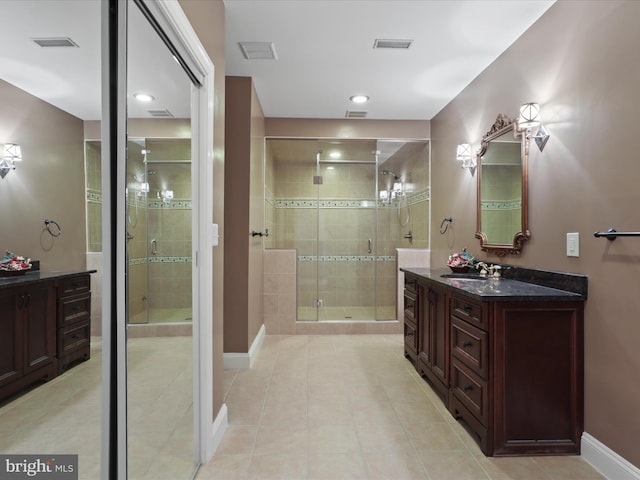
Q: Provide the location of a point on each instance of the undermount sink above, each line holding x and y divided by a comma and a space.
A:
464, 276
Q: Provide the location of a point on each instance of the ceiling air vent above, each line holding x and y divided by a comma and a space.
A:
258, 50
55, 42
401, 44
160, 113
355, 114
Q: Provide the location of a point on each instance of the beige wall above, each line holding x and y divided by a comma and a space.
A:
47, 184
207, 19
244, 211
580, 61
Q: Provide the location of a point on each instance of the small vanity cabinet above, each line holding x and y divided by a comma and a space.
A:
74, 320
506, 357
44, 327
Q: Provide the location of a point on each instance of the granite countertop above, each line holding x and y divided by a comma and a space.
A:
36, 277
505, 289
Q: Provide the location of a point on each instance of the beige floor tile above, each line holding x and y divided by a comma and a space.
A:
333, 439
352, 407
225, 467
442, 465
277, 467
567, 468
281, 440
394, 466
238, 439
336, 466
511, 468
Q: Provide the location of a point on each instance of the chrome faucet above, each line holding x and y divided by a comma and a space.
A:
409, 236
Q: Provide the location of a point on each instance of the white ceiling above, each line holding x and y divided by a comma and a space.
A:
324, 52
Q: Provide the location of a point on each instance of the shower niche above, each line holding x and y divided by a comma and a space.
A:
345, 206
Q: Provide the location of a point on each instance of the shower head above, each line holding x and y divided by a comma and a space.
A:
389, 172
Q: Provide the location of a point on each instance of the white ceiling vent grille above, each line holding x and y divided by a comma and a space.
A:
160, 113
258, 50
55, 42
397, 44
355, 114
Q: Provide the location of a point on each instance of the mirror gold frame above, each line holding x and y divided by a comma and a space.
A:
501, 126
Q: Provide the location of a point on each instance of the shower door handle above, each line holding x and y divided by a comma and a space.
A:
370, 242
154, 247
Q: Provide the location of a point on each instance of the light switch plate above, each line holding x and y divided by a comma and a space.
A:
573, 244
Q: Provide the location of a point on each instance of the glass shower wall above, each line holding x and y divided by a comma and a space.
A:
344, 219
159, 230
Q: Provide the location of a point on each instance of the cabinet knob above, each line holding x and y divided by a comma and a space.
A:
466, 344
467, 388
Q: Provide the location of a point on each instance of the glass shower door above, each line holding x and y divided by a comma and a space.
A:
347, 237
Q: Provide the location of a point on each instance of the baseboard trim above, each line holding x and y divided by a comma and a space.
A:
245, 360
218, 428
606, 461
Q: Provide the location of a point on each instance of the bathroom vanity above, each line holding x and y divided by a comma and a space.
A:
504, 355
45, 326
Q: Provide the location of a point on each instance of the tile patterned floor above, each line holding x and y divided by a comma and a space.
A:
63, 415
351, 407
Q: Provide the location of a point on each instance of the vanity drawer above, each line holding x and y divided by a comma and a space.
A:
74, 337
470, 389
470, 345
73, 285
73, 308
409, 284
410, 300
469, 311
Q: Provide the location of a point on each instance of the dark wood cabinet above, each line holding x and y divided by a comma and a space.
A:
410, 317
28, 338
433, 343
74, 320
510, 371
44, 329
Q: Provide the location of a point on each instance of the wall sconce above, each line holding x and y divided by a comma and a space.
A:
11, 153
530, 118
463, 155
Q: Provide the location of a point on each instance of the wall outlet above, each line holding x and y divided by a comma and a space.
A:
573, 244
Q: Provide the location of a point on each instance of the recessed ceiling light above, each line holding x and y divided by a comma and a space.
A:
143, 97
359, 99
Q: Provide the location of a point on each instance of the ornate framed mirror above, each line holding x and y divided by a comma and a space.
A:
503, 207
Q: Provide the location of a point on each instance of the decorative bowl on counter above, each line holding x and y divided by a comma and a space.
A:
11, 265
460, 269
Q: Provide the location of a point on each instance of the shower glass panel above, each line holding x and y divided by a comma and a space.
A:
159, 230
347, 240
346, 206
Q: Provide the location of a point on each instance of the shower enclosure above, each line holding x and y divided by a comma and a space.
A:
330, 200
159, 230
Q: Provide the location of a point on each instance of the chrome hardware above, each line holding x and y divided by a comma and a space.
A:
409, 236
370, 243
154, 247
260, 234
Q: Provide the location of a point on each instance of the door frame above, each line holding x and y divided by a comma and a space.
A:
175, 24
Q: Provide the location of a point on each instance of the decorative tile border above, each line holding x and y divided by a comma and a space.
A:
134, 200
173, 204
346, 258
512, 205
412, 198
145, 260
